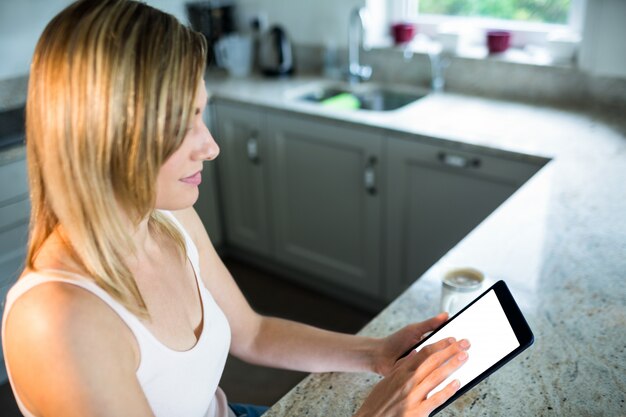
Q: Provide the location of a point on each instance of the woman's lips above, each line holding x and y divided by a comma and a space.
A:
194, 179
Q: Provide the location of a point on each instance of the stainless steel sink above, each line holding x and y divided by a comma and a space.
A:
366, 96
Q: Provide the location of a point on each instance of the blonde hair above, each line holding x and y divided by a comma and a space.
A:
111, 90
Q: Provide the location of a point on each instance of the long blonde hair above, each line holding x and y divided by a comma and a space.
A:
111, 90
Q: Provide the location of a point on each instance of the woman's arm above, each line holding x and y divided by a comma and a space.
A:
286, 344
70, 355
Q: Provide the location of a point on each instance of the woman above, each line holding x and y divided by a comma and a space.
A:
124, 307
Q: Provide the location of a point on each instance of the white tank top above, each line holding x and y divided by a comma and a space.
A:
175, 383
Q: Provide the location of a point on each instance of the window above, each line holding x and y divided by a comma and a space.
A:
543, 11
528, 20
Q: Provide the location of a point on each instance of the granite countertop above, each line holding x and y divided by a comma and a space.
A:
559, 242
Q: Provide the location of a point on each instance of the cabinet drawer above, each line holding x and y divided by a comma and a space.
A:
508, 170
13, 180
14, 212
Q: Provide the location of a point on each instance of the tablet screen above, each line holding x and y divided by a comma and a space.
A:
490, 334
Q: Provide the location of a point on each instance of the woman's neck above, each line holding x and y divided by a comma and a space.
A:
149, 245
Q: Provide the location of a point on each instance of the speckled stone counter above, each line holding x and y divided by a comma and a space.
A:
559, 242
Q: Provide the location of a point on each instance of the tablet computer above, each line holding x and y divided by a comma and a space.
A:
497, 331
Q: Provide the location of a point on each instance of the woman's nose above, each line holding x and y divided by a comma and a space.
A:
214, 150
210, 149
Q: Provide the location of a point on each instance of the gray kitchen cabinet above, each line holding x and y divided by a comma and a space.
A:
243, 172
436, 195
350, 208
207, 205
326, 203
14, 216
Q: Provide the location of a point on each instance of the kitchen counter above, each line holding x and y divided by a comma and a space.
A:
559, 242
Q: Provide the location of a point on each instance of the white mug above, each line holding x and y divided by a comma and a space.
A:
460, 287
234, 52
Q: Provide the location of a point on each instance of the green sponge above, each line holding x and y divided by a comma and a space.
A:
342, 101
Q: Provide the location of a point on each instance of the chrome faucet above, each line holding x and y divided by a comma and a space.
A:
439, 62
356, 28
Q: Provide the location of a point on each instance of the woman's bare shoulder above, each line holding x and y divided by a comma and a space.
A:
59, 313
60, 338
57, 303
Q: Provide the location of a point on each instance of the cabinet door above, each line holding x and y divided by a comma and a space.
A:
11, 266
243, 176
14, 216
207, 205
436, 196
327, 219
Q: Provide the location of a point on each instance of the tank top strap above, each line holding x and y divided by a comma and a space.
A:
34, 279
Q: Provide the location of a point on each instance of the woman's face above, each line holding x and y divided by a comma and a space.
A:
180, 175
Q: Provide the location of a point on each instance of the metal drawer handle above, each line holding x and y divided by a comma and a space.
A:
252, 146
458, 161
369, 176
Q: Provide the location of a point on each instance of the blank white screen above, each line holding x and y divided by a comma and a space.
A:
488, 330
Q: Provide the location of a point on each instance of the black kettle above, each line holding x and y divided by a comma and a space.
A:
276, 53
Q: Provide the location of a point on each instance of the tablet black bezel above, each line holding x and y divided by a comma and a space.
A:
518, 323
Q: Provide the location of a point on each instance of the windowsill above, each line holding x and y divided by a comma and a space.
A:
530, 55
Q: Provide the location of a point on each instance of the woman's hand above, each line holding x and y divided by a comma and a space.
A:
403, 392
396, 344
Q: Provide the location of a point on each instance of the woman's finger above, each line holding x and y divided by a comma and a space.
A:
417, 358
435, 360
404, 392
439, 374
437, 346
441, 397
430, 324
434, 322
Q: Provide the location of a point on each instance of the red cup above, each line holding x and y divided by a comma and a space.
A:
498, 41
402, 32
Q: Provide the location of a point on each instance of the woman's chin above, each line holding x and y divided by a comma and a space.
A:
178, 202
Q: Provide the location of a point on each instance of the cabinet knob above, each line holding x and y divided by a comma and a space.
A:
252, 147
369, 176
458, 161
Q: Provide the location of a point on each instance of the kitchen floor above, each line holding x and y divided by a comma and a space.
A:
272, 296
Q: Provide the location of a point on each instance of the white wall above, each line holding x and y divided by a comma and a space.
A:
22, 21
306, 22
309, 22
603, 50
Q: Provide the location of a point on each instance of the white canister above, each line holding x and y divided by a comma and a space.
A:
459, 287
